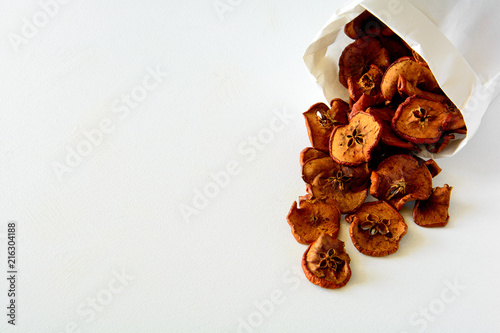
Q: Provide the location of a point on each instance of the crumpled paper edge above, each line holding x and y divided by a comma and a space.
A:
455, 76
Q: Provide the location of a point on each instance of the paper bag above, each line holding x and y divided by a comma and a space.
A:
454, 38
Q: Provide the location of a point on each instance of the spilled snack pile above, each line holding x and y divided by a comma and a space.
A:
368, 146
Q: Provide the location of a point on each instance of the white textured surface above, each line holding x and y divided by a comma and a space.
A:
105, 247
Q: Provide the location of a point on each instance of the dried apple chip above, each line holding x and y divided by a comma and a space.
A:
432, 166
366, 24
312, 218
406, 89
352, 144
310, 153
347, 186
347, 200
441, 144
456, 120
357, 57
326, 264
420, 120
418, 58
384, 116
341, 177
321, 119
462, 130
314, 167
382, 151
433, 212
399, 179
414, 73
365, 102
355, 28
396, 47
376, 229
368, 83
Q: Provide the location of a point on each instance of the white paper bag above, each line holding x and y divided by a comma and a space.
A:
456, 38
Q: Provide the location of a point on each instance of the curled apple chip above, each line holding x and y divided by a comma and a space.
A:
418, 58
399, 179
311, 153
407, 89
347, 186
326, 264
419, 120
357, 57
432, 166
352, 144
462, 130
312, 218
414, 73
441, 144
433, 212
376, 229
321, 119
456, 120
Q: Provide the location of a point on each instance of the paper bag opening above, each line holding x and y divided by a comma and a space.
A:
417, 28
